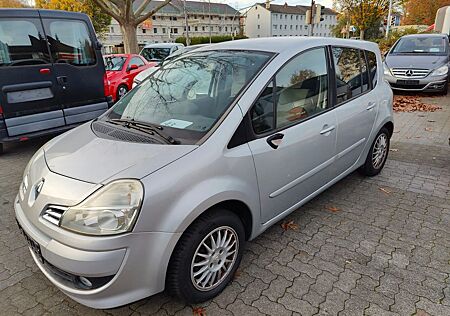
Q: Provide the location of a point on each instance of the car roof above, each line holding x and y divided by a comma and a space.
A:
281, 44
163, 45
119, 55
437, 35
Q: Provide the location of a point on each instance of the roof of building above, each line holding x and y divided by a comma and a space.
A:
192, 7
294, 9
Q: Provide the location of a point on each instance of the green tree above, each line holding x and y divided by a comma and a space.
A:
422, 12
100, 20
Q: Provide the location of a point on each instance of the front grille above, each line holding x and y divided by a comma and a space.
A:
408, 73
53, 214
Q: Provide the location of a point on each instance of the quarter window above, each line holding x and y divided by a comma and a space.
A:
372, 60
347, 63
22, 43
70, 43
301, 91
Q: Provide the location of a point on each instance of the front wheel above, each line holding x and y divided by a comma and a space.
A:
376, 158
206, 257
121, 91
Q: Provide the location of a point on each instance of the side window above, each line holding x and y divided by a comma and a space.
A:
372, 60
301, 91
347, 64
364, 72
136, 61
22, 42
70, 43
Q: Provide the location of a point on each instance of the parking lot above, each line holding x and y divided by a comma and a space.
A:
367, 246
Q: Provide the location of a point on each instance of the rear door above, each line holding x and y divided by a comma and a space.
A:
28, 89
78, 65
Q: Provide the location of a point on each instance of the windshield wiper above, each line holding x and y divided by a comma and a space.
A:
145, 127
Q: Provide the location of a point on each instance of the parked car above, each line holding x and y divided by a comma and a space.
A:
419, 62
144, 74
206, 154
159, 51
52, 82
121, 70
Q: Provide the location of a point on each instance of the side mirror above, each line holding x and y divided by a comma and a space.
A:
133, 67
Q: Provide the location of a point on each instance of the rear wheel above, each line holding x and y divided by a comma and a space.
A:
206, 257
121, 91
376, 158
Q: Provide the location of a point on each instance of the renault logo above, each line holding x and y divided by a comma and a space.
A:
38, 187
409, 72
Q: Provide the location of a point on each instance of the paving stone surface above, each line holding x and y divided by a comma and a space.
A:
385, 252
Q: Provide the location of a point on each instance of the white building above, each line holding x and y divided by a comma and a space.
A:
271, 20
169, 23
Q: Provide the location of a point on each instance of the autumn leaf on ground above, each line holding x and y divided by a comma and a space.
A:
290, 225
412, 104
431, 121
393, 149
384, 190
332, 209
428, 129
198, 311
237, 274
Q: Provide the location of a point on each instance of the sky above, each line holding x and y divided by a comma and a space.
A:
238, 4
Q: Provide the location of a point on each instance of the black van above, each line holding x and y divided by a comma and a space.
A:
52, 75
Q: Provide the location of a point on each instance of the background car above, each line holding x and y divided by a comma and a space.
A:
120, 72
419, 62
158, 52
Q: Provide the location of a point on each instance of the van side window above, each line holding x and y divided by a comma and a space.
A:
70, 43
22, 42
301, 92
372, 60
347, 63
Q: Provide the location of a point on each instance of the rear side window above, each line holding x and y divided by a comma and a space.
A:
136, 61
22, 42
372, 61
348, 65
70, 43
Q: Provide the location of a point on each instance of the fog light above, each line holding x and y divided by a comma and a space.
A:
85, 281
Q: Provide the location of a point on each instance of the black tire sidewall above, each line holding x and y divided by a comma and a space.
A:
186, 247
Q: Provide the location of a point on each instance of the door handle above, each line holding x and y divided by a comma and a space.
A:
370, 106
275, 140
327, 129
62, 80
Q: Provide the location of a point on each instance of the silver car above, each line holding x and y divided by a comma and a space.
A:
419, 62
164, 190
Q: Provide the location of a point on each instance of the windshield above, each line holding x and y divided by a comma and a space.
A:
155, 54
421, 45
188, 95
114, 63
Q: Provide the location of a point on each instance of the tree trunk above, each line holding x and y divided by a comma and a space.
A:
361, 34
129, 33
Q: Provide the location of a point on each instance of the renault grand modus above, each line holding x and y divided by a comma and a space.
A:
163, 190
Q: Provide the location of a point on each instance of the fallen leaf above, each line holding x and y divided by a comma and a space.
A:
290, 225
413, 104
395, 132
393, 149
417, 136
384, 190
431, 121
198, 311
421, 115
332, 209
428, 129
237, 274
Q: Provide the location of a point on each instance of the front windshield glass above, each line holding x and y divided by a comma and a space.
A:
155, 54
421, 45
188, 95
114, 63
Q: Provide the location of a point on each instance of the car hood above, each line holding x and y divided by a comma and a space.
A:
80, 154
415, 61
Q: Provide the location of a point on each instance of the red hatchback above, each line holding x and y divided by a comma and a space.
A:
120, 72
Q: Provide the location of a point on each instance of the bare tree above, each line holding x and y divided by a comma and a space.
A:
129, 17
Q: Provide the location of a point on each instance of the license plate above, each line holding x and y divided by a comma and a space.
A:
34, 246
408, 82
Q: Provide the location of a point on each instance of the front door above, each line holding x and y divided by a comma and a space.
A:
295, 134
78, 64
357, 106
29, 93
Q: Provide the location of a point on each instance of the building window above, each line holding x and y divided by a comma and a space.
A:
291, 27
275, 26
164, 30
281, 17
285, 16
285, 27
292, 17
175, 30
258, 16
144, 31
155, 30
296, 27
196, 28
203, 28
153, 18
112, 29
259, 27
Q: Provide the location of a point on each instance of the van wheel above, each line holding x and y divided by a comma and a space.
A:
121, 91
206, 257
376, 158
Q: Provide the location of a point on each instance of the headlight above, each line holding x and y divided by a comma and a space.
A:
440, 71
111, 210
387, 71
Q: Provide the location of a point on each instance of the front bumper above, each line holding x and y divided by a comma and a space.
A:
127, 267
427, 84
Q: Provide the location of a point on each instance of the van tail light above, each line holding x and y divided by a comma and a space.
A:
106, 85
1, 111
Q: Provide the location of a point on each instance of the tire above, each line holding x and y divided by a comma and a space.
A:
445, 90
180, 279
121, 91
1, 148
372, 166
